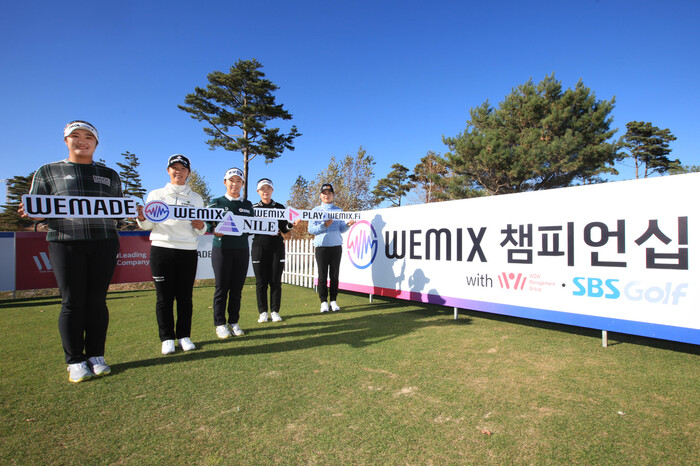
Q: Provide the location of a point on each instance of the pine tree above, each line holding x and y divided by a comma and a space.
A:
540, 137
648, 147
16, 186
238, 106
131, 185
436, 181
199, 185
395, 186
427, 175
684, 169
131, 180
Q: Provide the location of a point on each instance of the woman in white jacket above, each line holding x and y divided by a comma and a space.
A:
174, 256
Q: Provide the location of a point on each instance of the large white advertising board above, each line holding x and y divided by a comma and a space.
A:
618, 256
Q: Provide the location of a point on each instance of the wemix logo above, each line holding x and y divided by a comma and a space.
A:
510, 281
42, 262
362, 244
156, 211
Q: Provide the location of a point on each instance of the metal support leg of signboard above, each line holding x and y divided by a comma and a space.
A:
370, 298
605, 338
456, 313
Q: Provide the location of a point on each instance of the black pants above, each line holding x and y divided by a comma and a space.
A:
173, 274
268, 265
328, 261
230, 269
83, 270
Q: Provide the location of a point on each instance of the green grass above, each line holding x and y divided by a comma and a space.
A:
390, 382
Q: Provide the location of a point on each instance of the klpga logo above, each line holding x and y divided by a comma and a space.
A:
362, 244
156, 211
634, 290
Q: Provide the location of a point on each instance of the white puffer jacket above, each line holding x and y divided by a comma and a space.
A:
174, 234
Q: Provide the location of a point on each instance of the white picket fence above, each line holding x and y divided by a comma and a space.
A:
300, 265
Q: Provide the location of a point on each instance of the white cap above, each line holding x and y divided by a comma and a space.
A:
263, 182
233, 172
78, 124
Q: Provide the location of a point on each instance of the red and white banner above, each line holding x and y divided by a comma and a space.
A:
29, 253
33, 266
133, 260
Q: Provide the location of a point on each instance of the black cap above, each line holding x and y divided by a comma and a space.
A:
327, 186
179, 158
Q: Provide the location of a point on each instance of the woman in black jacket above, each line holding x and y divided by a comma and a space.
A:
268, 258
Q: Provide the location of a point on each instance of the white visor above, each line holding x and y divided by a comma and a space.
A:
265, 182
233, 172
80, 125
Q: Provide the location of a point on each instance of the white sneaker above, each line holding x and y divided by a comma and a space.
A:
78, 372
186, 344
222, 331
98, 366
324, 307
276, 317
168, 347
263, 317
334, 306
236, 330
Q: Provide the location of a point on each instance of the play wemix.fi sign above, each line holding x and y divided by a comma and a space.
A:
616, 256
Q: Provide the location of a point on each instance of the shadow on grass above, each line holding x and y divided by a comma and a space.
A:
353, 327
56, 299
29, 302
350, 327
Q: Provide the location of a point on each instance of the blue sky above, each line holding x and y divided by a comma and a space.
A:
391, 76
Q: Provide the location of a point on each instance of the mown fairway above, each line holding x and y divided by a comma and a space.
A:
389, 382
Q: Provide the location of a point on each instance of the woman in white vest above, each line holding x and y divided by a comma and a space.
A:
174, 257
